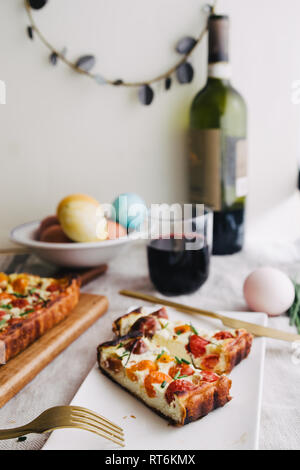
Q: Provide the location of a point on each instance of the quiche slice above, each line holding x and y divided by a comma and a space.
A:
170, 386
217, 351
30, 306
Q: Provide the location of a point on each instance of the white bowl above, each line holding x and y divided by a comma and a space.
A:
77, 255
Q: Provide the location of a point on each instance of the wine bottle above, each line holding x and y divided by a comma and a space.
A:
217, 160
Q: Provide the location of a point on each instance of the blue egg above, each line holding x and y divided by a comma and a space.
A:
131, 210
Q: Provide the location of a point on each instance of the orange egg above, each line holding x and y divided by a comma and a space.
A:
115, 230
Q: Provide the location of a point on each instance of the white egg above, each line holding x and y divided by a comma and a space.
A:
269, 290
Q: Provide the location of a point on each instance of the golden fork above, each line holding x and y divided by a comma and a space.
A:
60, 417
256, 330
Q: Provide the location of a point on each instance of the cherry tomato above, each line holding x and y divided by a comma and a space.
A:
53, 287
178, 387
183, 369
19, 303
197, 345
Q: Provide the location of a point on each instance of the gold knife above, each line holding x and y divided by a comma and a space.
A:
256, 330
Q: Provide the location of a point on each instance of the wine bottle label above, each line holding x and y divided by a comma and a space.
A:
218, 171
205, 167
220, 70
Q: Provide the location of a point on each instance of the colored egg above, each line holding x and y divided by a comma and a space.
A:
130, 210
82, 218
54, 234
269, 290
46, 222
115, 230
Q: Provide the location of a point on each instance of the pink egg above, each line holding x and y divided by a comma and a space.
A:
269, 290
115, 230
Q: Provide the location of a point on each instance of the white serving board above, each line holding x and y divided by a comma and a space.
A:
235, 426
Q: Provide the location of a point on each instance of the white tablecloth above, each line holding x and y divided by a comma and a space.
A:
59, 381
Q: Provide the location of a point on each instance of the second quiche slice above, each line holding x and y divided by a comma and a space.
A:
218, 351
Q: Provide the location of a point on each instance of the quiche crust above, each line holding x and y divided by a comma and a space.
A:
237, 349
199, 403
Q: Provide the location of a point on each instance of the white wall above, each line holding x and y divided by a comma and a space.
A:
61, 133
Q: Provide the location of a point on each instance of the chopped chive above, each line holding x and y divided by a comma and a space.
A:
193, 329
159, 355
178, 360
294, 311
126, 353
193, 361
191, 355
120, 345
164, 383
165, 326
185, 361
129, 355
179, 332
41, 298
182, 376
7, 306
20, 296
176, 375
26, 313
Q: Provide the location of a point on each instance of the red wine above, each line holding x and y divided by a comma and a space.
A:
174, 270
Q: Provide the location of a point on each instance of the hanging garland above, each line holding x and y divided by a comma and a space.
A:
183, 70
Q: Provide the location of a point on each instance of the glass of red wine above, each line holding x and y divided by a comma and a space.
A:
179, 248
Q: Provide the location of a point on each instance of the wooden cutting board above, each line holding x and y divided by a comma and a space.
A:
23, 368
